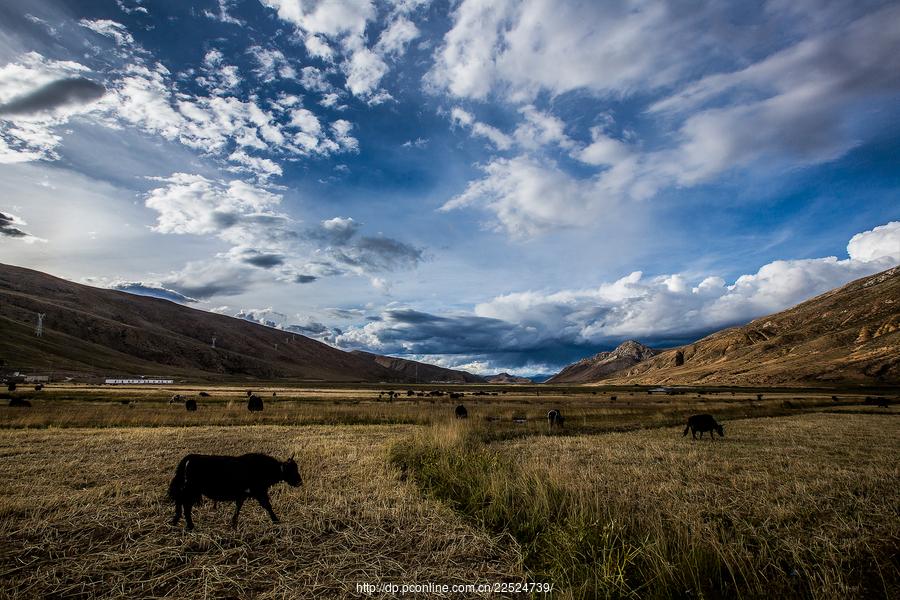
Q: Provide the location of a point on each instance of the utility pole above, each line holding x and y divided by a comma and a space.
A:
39, 328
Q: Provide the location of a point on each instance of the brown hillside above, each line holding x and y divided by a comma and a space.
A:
96, 331
604, 364
850, 335
420, 372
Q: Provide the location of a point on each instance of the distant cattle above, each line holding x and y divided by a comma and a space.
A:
20, 403
39, 387
190, 404
880, 401
701, 424
455, 395
254, 403
203, 394
249, 393
461, 412
230, 479
175, 399
11, 386
555, 417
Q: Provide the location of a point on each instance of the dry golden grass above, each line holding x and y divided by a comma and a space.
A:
805, 506
83, 514
618, 504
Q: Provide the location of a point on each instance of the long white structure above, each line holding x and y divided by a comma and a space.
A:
138, 381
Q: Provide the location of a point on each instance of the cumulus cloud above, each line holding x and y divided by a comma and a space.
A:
552, 328
334, 29
529, 196
261, 237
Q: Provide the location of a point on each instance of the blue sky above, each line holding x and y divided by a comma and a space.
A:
495, 185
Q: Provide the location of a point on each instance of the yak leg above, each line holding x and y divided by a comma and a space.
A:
189, 522
263, 500
237, 510
694, 433
177, 516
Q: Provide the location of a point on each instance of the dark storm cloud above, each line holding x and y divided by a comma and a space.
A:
264, 261
8, 228
141, 289
472, 338
379, 254
63, 92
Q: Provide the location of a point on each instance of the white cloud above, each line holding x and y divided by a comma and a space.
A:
394, 40
529, 197
519, 48
364, 69
331, 18
272, 64
110, 29
329, 27
463, 118
879, 244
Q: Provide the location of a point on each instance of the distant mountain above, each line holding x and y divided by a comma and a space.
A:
506, 378
604, 364
94, 331
414, 371
848, 336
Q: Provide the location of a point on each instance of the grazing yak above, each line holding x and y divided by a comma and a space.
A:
203, 394
230, 479
190, 404
175, 399
254, 403
461, 412
703, 423
555, 417
39, 387
20, 403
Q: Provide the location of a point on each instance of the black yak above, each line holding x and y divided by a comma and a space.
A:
20, 403
703, 423
555, 417
39, 387
254, 403
461, 412
230, 479
175, 399
203, 394
190, 404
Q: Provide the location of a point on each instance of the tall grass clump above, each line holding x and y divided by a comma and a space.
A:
585, 544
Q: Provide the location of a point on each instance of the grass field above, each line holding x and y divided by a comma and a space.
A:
800, 499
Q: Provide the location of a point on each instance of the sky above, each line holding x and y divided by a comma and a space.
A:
492, 185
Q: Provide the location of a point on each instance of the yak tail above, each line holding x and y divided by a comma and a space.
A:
177, 481
686, 429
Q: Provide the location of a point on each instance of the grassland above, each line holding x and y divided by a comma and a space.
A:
800, 499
